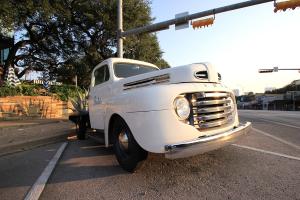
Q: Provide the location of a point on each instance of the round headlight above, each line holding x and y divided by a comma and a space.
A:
182, 108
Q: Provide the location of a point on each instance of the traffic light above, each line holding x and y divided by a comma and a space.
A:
203, 22
284, 5
265, 70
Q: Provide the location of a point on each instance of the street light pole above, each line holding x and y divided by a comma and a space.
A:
120, 28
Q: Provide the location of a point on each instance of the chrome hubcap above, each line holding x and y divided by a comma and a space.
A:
123, 140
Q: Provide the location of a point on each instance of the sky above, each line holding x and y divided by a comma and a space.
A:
238, 44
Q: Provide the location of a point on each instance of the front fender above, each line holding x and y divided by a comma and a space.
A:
150, 115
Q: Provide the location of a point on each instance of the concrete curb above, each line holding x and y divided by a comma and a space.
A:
30, 144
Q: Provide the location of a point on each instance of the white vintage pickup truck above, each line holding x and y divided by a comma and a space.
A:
180, 111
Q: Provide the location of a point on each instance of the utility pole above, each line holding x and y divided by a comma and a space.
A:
120, 28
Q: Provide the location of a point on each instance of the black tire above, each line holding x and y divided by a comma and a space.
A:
130, 158
81, 128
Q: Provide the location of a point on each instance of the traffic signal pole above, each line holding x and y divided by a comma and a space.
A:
181, 20
120, 29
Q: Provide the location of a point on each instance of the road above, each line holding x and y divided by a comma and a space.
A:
284, 125
263, 165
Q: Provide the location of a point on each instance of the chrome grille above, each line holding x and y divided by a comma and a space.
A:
212, 110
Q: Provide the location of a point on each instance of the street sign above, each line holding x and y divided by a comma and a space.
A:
179, 26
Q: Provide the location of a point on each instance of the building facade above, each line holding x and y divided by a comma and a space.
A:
285, 98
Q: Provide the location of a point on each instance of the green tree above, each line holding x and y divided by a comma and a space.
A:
93, 26
71, 36
41, 44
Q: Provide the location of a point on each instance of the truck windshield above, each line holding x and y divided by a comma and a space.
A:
124, 70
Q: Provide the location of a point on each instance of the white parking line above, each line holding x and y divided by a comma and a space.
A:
276, 138
267, 152
38, 187
274, 122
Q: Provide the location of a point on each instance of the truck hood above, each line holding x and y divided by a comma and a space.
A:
197, 72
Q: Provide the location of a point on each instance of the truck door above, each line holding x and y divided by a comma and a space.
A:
99, 94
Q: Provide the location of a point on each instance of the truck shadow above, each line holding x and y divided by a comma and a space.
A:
90, 166
87, 159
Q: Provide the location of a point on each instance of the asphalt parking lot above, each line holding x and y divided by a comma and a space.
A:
263, 165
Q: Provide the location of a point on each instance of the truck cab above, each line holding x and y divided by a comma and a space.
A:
103, 85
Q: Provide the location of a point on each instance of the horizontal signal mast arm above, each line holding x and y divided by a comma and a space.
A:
165, 24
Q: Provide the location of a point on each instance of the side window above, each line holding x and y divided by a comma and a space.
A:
101, 75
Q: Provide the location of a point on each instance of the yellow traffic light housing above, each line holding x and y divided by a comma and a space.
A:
284, 5
265, 70
203, 22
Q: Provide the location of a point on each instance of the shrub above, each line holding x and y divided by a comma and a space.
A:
30, 90
65, 92
62, 92
79, 102
8, 91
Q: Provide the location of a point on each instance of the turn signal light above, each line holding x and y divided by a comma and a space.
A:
203, 23
292, 4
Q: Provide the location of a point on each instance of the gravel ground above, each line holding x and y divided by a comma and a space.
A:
90, 171
87, 170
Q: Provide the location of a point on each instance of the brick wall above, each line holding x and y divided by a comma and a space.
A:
33, 107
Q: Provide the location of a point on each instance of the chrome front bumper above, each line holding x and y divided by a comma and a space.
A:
208, 143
